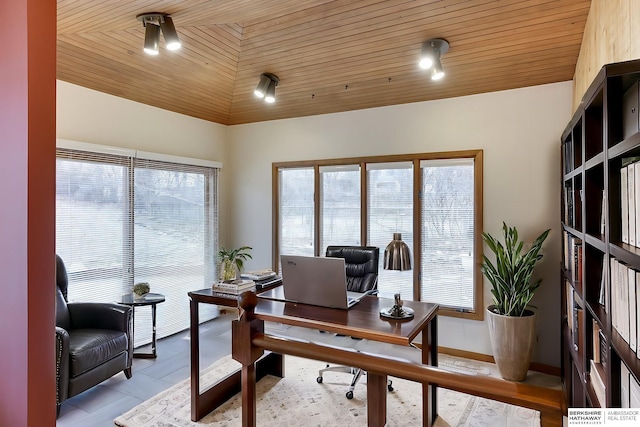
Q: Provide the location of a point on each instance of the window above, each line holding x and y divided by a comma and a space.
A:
340, 205
122, 219
297, 212
434, 200
447, 227
390, 210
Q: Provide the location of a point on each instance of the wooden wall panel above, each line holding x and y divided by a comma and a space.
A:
611, 34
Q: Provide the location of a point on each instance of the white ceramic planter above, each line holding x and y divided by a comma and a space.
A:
513, 340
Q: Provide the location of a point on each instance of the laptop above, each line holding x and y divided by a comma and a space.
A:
317, 281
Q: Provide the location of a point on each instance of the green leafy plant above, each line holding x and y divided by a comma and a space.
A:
232, 259
141, 288
510, 277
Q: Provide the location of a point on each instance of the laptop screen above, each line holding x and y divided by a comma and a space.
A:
315, 280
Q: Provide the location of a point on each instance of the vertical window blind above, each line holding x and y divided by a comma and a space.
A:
390, 210
121, 220
339, 206
447, 212
296, 213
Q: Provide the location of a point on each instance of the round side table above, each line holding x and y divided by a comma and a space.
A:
149, 299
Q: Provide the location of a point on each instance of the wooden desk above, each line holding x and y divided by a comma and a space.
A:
361, 321
204, 402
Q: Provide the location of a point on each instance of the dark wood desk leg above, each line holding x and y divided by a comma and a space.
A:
243, 350
195, 360
429, 357
249, 395
376, 400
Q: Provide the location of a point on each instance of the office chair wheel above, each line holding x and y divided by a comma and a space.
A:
319, 380
349, 395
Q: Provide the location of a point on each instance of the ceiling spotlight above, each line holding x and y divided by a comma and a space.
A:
430, 56
270, 97
170, 34
263, 85
267, 87
153, 23
436, 70
152, 39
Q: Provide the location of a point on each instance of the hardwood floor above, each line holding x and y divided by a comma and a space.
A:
98, 406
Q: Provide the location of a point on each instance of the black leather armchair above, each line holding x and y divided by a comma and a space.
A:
361, 263
93, 341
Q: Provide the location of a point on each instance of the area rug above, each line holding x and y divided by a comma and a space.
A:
298, 400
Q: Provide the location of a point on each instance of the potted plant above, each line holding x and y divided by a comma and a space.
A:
232, 261
141, 289
512, 326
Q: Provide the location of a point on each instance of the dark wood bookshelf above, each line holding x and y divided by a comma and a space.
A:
601, 138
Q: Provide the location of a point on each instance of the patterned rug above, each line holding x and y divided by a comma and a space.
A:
298, 400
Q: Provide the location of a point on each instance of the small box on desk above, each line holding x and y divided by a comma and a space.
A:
630, 113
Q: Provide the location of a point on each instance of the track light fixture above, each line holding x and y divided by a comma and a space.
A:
266, 87
153, 23
430, 57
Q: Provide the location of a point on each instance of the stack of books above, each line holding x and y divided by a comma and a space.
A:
234, 287
262, 278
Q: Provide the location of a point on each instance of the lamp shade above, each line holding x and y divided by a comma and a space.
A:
397, 255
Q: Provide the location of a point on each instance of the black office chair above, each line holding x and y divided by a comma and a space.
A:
361, 264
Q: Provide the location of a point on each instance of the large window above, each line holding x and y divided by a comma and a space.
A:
434, 200
122, 219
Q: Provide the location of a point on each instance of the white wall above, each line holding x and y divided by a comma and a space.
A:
89, 116
519, 131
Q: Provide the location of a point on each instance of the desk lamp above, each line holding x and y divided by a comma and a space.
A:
397, 257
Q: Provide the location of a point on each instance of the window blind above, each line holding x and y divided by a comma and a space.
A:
447, 210
390, 210
339, 206
296, 211
122, 220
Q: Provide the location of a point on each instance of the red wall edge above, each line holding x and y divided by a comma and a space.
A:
27, 212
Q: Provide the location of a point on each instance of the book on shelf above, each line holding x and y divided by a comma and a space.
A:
624, 202
569, 305
603, 211
631, 301
573, 260
624, 303
636, 198
634, 392
603, 293
624, 386
631, 195
598, 375
578, 316
637, 317
595, 329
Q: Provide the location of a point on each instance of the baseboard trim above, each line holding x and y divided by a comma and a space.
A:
538, 367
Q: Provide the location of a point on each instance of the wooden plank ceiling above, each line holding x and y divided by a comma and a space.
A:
330, 56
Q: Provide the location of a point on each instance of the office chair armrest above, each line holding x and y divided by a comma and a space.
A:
62, 364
